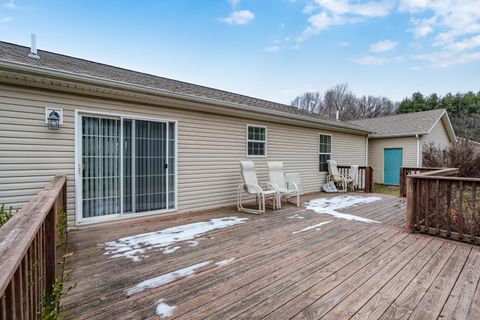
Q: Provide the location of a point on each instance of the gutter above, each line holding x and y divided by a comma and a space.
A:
396, 135
418, 151
119, 85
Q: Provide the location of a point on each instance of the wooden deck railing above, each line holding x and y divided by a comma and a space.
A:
29, 253
365, 176
444, 205
405, 171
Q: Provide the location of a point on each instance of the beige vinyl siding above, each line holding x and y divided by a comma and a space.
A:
438, 136
209, 147
376, 153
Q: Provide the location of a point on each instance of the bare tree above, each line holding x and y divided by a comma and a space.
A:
338, 98
310, 101
342, 100
371, 107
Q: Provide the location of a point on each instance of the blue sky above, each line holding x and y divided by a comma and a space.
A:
272, 49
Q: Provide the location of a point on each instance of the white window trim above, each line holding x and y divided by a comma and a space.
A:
319, 153
248, 140
79, 220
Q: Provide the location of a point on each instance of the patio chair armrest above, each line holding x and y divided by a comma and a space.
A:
272, 186
254, 186
295, 187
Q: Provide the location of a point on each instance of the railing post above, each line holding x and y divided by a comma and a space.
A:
410, 204
51, 248
402, 182
368, 179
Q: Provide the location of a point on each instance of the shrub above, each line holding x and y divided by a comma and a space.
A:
5, 215
463, 155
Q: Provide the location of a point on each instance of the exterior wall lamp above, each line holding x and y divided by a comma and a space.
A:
53, 118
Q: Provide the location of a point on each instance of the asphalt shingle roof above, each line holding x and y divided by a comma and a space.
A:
19, 54
400, 124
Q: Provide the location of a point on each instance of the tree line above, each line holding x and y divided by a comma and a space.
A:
463, 108
350, 107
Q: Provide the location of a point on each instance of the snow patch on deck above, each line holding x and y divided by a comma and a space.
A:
193, 243
331, 205
166, 240
164, 309
316, 227
224, 262
167, 278
296, 216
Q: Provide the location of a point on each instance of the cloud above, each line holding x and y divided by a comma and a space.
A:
10, 5
454, 17
344, 44
5, 20
383, 46
376, 60
322, 21
234, 3
366, 9
413, 6
423, 27
341, 12
465, 44
309, 8
443, 59
454, 25
239, 17
272, 49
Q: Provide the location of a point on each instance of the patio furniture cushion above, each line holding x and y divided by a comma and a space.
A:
329, 187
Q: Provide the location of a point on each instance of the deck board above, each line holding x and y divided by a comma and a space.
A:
345, 269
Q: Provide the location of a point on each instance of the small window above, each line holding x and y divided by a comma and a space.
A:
325, 152
256, 141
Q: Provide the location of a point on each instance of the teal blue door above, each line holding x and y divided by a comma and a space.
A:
392, 161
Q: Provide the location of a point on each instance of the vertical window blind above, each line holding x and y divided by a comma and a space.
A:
146, 152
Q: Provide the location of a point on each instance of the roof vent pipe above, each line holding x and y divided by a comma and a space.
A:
33, 47
337, 115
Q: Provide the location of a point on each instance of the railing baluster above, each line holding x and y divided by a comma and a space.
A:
19, 293
475, 219
36, 273
437, 200
28, 263
26, 306
418, 196
11, 300
3, 307
426, 200
449, 209
460, 211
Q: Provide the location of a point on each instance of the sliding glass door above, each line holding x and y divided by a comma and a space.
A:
128, 166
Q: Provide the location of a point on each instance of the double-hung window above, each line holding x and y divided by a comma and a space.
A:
324, 152
256, 141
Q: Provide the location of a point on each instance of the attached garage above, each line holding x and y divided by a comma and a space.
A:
399, 140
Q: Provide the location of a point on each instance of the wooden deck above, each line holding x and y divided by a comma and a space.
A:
340, 270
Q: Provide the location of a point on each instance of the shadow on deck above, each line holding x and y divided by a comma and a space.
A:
281, 265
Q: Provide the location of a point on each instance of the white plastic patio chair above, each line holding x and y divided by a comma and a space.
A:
251, 186
276, 175
335, 176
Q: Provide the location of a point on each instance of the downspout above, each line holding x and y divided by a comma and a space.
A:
418, 150
366, 151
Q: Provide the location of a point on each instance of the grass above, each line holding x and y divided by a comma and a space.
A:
388, 190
